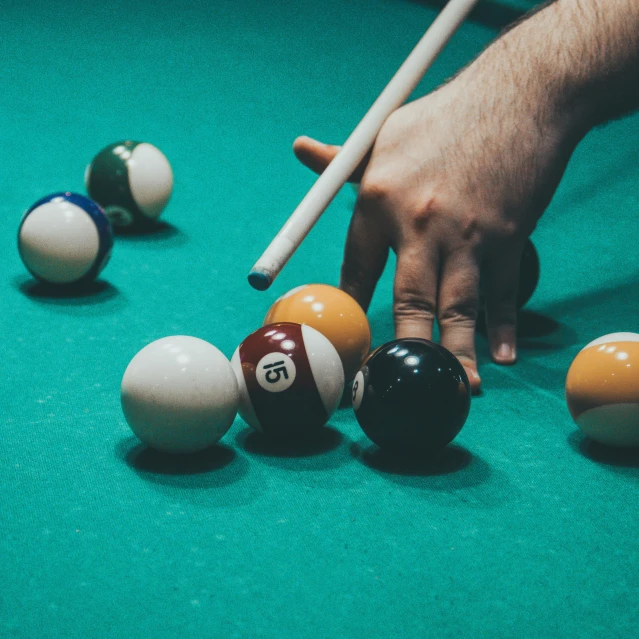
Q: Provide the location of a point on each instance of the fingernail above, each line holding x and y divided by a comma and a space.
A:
505, 352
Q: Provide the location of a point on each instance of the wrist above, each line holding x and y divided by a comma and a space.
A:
571, 65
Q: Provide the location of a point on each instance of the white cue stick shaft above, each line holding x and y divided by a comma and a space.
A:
358, 143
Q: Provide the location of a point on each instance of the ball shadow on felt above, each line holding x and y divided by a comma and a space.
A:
94, 292
530, 325
316, 442
212, 478
151, 231
144, 459
450, 459
602, 454
454, 473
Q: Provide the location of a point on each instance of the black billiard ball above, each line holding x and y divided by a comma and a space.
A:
411, 396
528, 276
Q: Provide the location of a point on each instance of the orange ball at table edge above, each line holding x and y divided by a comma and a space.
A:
333, 313
602, 390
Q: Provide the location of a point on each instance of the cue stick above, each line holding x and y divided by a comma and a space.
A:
358, 144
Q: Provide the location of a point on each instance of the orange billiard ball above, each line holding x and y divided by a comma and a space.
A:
333, 313
602, 390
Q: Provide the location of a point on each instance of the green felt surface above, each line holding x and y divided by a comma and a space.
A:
522, 530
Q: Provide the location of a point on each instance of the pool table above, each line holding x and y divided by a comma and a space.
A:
521, 528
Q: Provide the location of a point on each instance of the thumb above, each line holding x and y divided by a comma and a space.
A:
317, 156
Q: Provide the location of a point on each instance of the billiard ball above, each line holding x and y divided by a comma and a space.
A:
602, 390
133, 181
333, 313
412, 396
290, 377
179, 394
65, 239
529, 271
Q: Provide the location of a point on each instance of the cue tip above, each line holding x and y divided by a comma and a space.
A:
260, 280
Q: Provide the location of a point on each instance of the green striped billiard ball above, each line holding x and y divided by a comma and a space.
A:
132, 181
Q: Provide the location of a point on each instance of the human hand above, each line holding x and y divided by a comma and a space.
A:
455, 183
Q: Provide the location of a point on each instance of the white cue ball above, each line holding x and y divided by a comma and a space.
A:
179, 394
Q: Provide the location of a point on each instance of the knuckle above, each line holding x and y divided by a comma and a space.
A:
395, 124
376, 189
422, 215
395, 119
510, 230
506, 233
462, 314
411, 306
469, 227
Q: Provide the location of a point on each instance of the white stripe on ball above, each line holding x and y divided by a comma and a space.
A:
326, 367
246, 410
613, 337
612, 424
150, 179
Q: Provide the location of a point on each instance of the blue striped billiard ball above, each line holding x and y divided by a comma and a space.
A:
65, 239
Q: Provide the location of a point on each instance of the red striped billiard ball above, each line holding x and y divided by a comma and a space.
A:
290, 377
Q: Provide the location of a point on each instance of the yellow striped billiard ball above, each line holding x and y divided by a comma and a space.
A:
602, 390
333, 313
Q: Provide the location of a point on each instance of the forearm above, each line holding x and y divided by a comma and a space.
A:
578, 60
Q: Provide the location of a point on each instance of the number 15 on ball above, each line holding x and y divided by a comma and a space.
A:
291, 379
